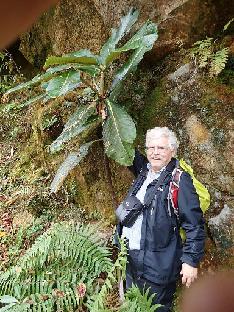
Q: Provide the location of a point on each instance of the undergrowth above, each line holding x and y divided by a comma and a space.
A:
69, 267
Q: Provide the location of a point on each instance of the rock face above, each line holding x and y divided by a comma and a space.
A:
77, 24
170, 93
70, 26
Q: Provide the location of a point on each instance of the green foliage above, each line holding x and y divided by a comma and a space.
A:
72, 160
17, 240
96, 303
206, 56
75, 125
9, 301
119, 128
202, 51
62, 84
219, 60
87, 74
58, 270
135, 301
69, 268
49, 121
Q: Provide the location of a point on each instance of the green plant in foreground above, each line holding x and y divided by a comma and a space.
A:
17, 241
89, 75
135, 301
96, 303
61, 272
58, 271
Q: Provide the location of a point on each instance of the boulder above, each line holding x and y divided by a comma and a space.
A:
221, 227
78, 24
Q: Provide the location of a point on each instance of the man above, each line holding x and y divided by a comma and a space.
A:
156, 254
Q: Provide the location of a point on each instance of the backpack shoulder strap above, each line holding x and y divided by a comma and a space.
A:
174, 190
176, 175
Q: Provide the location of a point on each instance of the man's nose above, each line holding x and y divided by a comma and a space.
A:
156, 150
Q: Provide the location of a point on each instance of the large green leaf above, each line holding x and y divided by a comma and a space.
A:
117, 34
82, 57
119, 132
62, 84
82, 53
76, 124
37, 79
72, 160
143, 35
142, 42
93, 70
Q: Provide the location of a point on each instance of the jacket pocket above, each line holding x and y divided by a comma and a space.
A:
162, 232
162, 229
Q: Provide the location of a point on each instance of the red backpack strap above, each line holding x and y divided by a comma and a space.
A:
174, 190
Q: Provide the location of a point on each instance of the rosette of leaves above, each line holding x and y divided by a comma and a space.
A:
87, 73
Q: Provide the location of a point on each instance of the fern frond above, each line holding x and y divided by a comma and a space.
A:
96, 303
48, 274
218, 62
202, 51
138, 302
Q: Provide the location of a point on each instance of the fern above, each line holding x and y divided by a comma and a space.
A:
203, 52
96, 303
219, 61
138, 302
48, 276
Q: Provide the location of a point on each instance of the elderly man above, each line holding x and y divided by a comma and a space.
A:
157, 256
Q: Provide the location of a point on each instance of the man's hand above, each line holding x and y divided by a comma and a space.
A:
189, 274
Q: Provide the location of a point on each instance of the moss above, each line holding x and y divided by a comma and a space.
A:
153, 110
215, 106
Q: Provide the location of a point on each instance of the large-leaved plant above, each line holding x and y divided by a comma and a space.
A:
87, 73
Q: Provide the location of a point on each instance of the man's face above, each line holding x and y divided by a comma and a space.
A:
159, 152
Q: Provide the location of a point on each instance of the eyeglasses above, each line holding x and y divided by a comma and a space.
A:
160, 149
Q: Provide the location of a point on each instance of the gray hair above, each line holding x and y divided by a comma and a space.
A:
157, 132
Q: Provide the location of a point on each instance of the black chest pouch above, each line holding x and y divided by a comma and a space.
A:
129, 210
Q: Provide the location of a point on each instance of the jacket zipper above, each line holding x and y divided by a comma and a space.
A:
153, 205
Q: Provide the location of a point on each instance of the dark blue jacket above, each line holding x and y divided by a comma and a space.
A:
161, 250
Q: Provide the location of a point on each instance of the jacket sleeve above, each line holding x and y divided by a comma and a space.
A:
191, 220
139, 163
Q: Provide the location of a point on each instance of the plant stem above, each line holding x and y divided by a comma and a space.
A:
106, 160
109, 179
87, 83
